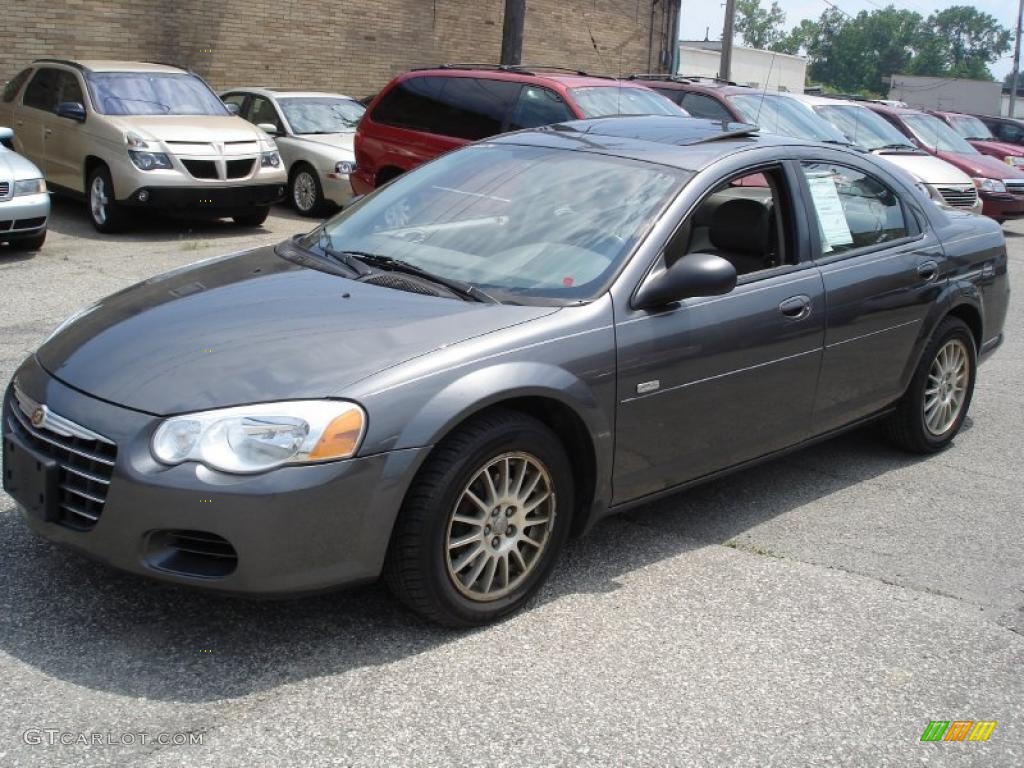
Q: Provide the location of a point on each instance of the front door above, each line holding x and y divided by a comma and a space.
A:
64, 138
713, 382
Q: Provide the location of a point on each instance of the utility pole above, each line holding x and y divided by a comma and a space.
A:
725, 67
1016, 62
512, 32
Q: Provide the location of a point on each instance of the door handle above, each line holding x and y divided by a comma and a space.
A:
47, 131
928, 269
796, 307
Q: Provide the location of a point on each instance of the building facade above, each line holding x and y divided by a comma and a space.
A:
947, 94
750, 66
351, 46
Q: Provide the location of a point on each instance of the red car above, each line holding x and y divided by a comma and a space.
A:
980, 137
1000, 186
425, 113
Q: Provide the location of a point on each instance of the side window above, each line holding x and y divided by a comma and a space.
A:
12, 88
699, 105
853, 209
747, 220
538, 106
672, 94
412, 104
68, 88
1009, 132
42, 91
238, 99
262, 111
474, 108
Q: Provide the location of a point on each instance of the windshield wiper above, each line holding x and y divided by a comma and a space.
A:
896, 146
389, 264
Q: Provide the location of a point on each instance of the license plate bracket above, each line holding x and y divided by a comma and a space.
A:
31, 478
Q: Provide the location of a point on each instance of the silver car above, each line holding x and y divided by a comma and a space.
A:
24, 202
314, 132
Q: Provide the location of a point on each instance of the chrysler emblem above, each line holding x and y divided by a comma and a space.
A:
38, 416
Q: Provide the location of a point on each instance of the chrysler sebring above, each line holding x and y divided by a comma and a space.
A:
491, 353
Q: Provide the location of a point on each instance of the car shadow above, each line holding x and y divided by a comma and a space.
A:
70, 217
84, 623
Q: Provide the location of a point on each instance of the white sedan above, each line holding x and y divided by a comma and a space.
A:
24, 202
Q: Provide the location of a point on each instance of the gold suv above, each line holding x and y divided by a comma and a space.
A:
125, 135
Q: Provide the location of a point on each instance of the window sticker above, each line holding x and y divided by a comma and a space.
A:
834, 228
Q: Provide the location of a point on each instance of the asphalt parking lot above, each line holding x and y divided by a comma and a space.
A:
817, 610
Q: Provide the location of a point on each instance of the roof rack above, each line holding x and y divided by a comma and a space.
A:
680, 78
520, 69
66, 62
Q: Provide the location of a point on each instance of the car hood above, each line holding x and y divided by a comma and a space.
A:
996, 148
927, 168
191, 128
334, 140
254, 327
14, 166
981, 166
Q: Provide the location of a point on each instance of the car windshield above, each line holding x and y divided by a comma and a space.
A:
321, 114
970, 127
152, 93
607, 100
863, 127
780, 115
936, 135
525, 224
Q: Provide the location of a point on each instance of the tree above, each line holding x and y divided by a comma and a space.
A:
759, 27
961, 41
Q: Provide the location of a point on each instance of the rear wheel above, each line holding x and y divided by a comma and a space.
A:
484, 522
107, 216
253, 218
935, 405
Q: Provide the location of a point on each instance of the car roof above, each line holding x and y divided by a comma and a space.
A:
567, 79
108, 65
278, 93
687, 143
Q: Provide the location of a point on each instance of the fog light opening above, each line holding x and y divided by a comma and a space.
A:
143, 195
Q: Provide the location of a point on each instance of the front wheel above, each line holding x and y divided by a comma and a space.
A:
253, 218
107, 216
484, 521
935, 404
306, 192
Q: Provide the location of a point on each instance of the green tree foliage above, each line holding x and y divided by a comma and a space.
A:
759, 27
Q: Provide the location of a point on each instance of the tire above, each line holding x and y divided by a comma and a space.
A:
305, 192
30, 243
106, 215
253, 218
911, 426
434, 576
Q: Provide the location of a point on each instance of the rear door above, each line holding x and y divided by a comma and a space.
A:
38, 101
881, 270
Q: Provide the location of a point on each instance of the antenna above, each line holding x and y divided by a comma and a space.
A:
764, 91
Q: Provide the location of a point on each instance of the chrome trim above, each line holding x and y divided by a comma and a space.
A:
91, 516
41, 417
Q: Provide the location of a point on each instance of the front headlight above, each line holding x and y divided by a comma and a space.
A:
270, 160
989, 185
256, 438
29, 187
1014, 160
346, 167
150, 161
933, 193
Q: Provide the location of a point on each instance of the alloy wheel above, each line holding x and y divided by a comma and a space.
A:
500, 526
304, 191
946, 389
98, 200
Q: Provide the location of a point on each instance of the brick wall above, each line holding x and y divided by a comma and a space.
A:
351, 46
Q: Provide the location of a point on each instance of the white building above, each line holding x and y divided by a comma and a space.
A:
947, 94
750, 66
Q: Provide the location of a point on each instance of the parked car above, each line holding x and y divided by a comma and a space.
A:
1008, 129
980, 137
1000, 186
314, 133
127, 135
946, 184
524, 336
24, 201
768, 110
424, 113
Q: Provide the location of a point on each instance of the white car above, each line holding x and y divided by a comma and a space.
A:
314, 133
946, 184
24, 202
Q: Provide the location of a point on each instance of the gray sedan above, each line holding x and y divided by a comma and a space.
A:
314, 133
449, 378
24, 201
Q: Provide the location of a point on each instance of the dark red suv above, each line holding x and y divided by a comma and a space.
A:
426, 112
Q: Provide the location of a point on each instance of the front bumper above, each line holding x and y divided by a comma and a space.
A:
219, 200
337, 187
1002, 207
292, 530
23, 216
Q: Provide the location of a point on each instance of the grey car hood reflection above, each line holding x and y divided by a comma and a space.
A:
255, 328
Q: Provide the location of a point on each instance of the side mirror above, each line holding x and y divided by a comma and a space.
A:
6, 135
269, 128
696, 274
72, 110
233, 108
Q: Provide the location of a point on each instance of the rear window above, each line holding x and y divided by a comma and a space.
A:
462, 107
12, 88
606, 100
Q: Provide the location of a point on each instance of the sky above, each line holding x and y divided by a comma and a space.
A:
697, 16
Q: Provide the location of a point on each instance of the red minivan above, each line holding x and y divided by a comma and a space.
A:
980, 137
425, 113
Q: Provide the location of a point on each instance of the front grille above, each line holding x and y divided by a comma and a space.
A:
85, 468
5, 225
30, 223
199, 554
959, 197
201, 169
239, 169
1014, 186
5, 190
